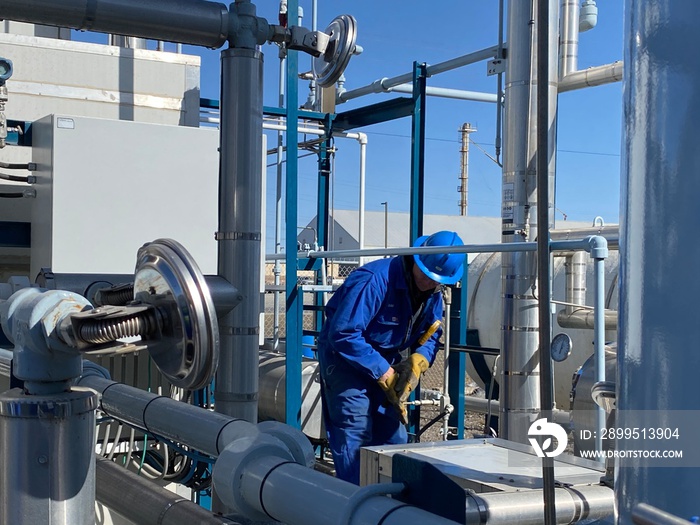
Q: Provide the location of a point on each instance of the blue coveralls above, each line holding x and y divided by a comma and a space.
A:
369, 320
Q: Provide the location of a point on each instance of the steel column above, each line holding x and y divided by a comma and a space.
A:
417, 151
294, 302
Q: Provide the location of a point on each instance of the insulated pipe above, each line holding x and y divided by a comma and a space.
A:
383, 84
658, 355
584, 318
568, 39
240, 223
573, 504
593, 76
520, 372
289, 493
575, 280
481, 405
144, 502
195, 22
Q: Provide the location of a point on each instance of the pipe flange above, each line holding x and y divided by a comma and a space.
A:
187, 349
330, 65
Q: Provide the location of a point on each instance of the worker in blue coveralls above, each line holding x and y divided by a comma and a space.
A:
384, 310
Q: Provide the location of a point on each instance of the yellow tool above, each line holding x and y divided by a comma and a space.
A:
429, 332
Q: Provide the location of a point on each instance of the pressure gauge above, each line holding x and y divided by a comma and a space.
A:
561, 347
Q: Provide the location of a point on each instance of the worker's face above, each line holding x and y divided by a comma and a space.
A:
423, 282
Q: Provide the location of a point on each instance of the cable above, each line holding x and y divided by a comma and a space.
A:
16, 178
31, 166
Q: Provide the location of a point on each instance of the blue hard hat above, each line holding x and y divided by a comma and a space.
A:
444, 268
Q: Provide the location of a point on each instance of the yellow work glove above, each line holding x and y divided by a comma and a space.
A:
389, 387
409, 372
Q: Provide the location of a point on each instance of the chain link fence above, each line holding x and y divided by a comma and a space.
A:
336, 273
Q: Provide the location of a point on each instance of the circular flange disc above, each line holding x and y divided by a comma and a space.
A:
187, 349
328, 67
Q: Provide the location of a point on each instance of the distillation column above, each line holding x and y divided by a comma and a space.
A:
658, 356
520, 371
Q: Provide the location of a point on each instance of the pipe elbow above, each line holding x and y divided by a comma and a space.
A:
597, 246
362, 138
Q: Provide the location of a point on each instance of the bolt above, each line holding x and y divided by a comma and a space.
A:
43, 460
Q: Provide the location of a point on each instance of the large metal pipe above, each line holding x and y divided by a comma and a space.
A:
593, 76
658, 250
196, 22
240, 223
143, 502
47, 465
520, 371
568, 37
457, 94
573, 504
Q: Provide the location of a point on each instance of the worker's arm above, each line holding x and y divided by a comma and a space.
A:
428, 339
359, 305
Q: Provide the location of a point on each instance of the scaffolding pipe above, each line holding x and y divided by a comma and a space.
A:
142, 501
599, 252
195, 22
593, 76
277, 271
383, 84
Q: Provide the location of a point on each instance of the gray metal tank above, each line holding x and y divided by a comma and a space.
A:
271, 403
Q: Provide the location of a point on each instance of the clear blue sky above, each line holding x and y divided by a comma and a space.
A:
394, 35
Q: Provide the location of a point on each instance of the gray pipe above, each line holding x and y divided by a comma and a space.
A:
144, 502
481, 405
383, 84
657, 353
593, 76
195, 22
291, 494
520, 373
240, 224
599, 253
206, 431
573, 504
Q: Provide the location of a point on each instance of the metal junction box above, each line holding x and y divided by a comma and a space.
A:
106, 187
481, 465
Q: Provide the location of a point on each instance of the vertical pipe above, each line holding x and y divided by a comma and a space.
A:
543, 255
47, 460
447, 297
464, 169
599, 338
499, 88
520, 374
239, 236
575, 280
363, 153
568, 40
417, 151
659, 331
278, 209
294, 301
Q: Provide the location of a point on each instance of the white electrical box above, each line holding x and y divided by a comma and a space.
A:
106, 187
